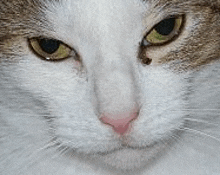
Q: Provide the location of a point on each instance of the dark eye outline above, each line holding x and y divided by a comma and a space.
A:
174, 37
72, 52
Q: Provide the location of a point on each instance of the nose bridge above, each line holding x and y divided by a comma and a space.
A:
115, 87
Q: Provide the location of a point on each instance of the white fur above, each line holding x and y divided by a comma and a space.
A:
106, 35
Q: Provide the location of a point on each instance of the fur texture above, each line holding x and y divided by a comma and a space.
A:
50, 111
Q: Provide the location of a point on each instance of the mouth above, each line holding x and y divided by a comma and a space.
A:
126, 147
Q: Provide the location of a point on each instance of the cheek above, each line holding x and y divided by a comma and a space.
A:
162, 98
59, 83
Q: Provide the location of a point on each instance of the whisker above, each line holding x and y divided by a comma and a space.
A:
200, 133
201, 110
201, 121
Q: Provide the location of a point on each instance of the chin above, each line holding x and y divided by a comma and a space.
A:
130, 159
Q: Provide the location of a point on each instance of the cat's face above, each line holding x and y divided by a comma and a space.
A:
104, 79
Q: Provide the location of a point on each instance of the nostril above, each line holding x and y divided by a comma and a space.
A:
119, 122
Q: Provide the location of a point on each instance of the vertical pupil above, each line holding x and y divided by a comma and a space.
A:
49, 45
166, 26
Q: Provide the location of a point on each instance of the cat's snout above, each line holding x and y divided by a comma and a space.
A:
119, 122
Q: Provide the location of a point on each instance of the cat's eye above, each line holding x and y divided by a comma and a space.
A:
165, 30
50, 49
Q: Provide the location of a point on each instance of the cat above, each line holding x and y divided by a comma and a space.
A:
105, 87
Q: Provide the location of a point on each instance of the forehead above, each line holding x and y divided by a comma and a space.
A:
104, 23
96, 11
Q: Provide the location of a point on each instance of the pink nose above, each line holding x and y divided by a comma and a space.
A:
119, 122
